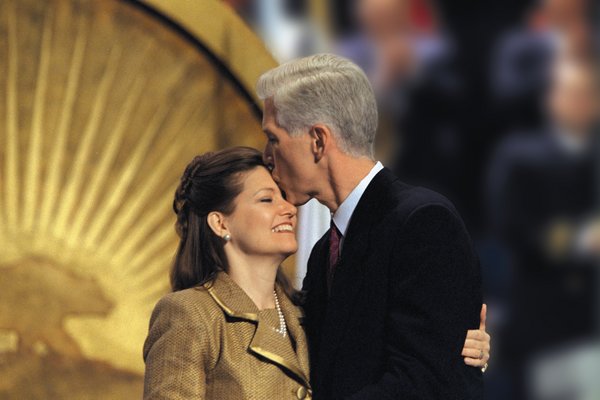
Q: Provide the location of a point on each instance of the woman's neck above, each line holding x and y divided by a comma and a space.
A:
256, 276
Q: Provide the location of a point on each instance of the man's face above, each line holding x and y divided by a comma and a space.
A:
290, 159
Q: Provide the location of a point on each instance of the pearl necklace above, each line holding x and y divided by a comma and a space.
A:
282, 326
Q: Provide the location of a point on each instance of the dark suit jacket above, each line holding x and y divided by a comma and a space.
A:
405, 292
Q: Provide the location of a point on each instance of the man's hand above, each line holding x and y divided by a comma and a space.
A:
477, 344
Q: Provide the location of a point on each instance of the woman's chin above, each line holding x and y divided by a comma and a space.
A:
289, 250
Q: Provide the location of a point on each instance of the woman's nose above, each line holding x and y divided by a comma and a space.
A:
289, 209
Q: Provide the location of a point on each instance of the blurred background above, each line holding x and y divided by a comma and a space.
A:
495, 104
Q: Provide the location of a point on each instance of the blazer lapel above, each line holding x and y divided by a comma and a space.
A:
266, 342
294, 317
349, 273
269, 344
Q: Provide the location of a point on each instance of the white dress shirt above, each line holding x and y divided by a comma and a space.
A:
343, 214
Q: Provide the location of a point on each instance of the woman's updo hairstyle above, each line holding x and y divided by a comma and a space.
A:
211, 182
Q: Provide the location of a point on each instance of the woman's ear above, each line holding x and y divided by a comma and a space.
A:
320, 136
216, 222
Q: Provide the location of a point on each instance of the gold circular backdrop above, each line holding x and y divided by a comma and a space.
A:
102, 104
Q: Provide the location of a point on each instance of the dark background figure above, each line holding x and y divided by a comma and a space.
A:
523, 57
544, 208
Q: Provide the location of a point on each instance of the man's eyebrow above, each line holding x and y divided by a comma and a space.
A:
266, 188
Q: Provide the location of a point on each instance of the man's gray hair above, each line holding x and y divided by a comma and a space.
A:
327, 89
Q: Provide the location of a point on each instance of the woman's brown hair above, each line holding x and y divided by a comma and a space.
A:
210, 182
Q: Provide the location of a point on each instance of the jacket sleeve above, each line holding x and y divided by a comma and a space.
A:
175, 352
434, 299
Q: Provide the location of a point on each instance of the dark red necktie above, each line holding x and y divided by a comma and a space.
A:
334, 252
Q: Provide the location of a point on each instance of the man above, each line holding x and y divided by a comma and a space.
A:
544, 205
394, 285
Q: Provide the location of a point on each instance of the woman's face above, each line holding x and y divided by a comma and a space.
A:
262, 223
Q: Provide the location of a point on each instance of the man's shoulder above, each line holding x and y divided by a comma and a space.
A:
389, 199
405, 200
418, 196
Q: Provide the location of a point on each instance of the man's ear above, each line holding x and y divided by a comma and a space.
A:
216, 222
321, 140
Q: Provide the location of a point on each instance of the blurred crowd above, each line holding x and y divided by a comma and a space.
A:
495, 104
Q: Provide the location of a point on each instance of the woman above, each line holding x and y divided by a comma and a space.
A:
230, 329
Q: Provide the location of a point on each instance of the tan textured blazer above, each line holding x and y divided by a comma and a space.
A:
212, 342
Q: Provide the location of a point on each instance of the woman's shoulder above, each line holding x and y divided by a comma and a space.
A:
196, 303
183, 317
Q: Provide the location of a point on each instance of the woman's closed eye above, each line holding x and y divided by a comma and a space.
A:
266, 200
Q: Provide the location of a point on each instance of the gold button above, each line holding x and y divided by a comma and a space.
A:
301, 392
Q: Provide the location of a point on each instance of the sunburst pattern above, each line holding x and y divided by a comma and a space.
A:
101, 107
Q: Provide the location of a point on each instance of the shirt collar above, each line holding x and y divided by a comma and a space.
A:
342, 216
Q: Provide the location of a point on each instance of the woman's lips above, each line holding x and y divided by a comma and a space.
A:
283, 228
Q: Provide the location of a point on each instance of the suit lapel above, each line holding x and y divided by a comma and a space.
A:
351, 269
316, 280
315, 301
